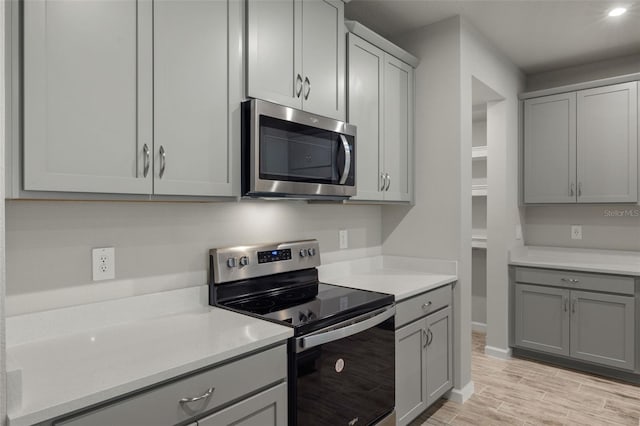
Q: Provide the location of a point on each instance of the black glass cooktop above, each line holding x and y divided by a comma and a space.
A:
302, 302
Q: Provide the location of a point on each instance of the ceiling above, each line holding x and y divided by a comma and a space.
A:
538, 35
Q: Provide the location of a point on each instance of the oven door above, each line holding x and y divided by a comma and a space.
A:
345, 374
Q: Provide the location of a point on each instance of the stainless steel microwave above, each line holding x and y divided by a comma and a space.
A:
291, 153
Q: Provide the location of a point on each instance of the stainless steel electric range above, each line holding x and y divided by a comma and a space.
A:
341, 359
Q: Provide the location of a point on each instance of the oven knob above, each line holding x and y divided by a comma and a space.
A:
302, 317
244, 261
312, 251
303, 253
231, 262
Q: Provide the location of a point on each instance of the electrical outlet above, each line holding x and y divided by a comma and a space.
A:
344, 239
576, 232
104, 263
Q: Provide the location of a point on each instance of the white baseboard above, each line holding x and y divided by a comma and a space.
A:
461, 395
479, 327
497, 352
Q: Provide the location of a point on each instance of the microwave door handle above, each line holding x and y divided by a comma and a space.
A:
347, 159
349, 330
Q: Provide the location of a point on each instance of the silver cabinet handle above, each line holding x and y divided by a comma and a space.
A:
573, 306
163, 160
347, 159
430, 336
425, 336
571, 191
349, 330
307, 84
147, 158
388, 182
384, 181
426, 305
579, 189
566, 304
570, 280
205, 395
298, 85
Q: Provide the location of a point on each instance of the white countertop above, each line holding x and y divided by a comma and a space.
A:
402, 284
403, 277
587, 260
70, 372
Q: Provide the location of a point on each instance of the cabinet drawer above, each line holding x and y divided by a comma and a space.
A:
161, 406
576, 280
423, 304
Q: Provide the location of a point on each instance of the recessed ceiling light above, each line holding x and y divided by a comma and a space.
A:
617, 11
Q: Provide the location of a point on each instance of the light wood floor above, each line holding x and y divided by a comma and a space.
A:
522, 392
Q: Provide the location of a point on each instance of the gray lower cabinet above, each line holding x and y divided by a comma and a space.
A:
268, 408
423, 353
248, 391
555, 315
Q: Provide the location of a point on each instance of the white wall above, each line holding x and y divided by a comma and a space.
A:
480, 60
158, 245
585, 72
3, 369
615, 227
432, 228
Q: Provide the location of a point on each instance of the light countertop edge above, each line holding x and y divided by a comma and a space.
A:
20, 417
577, 259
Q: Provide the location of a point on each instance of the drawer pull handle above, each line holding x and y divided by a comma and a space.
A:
425, 338
570, 280
426, 305
205, 395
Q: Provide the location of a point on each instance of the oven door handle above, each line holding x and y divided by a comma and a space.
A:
349, 330
347, 159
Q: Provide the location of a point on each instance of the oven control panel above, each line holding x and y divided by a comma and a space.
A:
242, 262
274, 255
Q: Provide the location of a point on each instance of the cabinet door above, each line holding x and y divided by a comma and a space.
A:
411, 384
366, 68
191, 99
608, 144
439, 354
268, 408
398, 125
323, 53
603, 328
550, 149
274, 62
542, 318
87, 95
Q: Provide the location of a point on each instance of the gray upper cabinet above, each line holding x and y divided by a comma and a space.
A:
191, 102
366, 88
130, 97
295, 54
550, 149
398, 128
380, 95
87, 96
582, 146
607, 156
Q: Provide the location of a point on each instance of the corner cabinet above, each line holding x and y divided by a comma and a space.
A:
582, 316
128, 97
582, 147
380, 104
424, 351
295, 54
